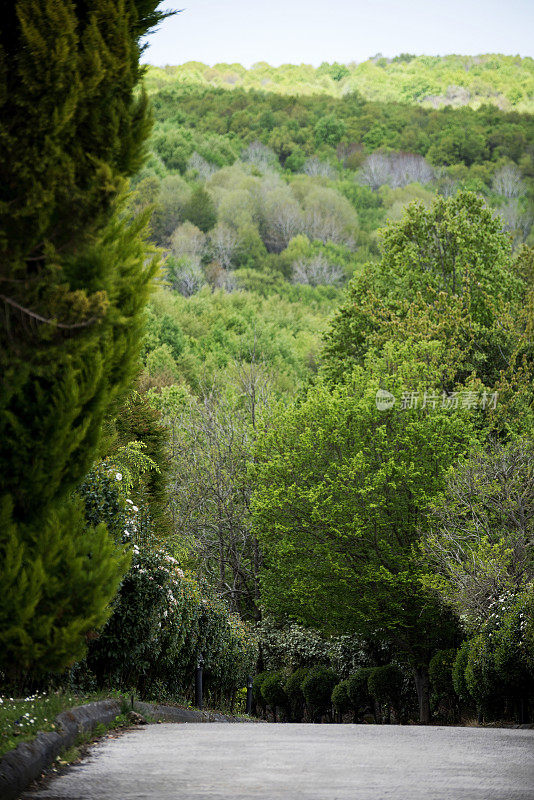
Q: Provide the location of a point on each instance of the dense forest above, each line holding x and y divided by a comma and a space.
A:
433, 81
283, 199
319, 248
281, 383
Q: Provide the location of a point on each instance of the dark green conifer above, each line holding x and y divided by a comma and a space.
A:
200, 210
74, 277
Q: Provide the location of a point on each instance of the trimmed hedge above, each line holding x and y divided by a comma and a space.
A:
317, 689
357, 688
340, 697
272, 689
458, 673
385, 687
257, 694
295, 695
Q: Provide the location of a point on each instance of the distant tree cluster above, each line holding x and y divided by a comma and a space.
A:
434, 81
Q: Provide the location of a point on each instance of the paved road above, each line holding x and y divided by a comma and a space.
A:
303, 762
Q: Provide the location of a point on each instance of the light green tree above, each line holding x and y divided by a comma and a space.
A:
341, 490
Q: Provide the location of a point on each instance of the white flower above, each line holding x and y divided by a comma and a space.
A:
118, 476
135, 509
130, 502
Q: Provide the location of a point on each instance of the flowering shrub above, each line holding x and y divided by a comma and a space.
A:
228, 646
162, 618
514, 647
105, 492
293, 646
160, 625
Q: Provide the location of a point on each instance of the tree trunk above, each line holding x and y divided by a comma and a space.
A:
422, 685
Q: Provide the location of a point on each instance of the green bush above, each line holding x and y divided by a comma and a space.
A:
358, 689
295, 695
257, 694
340, 697
105, 502
272, 689
498, 664
441, 682
291, 646
161, 623
317, 689
458, 673
512, 646
385, 686
480, 675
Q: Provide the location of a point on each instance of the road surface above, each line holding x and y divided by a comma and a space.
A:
302, 762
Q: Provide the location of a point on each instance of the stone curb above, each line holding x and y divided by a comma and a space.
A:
180, 714
21, 766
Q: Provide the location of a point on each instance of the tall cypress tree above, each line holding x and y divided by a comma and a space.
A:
74, 277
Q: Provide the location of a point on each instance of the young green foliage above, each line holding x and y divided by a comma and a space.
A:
341, 491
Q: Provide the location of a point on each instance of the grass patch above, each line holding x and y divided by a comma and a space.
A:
69, 756
21, 719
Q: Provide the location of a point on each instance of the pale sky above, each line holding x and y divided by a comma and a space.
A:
311, 31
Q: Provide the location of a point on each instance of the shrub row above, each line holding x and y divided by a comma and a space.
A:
492, 673
313, 693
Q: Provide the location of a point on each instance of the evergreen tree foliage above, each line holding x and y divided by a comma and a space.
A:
200, 210
74, 278
57, 577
